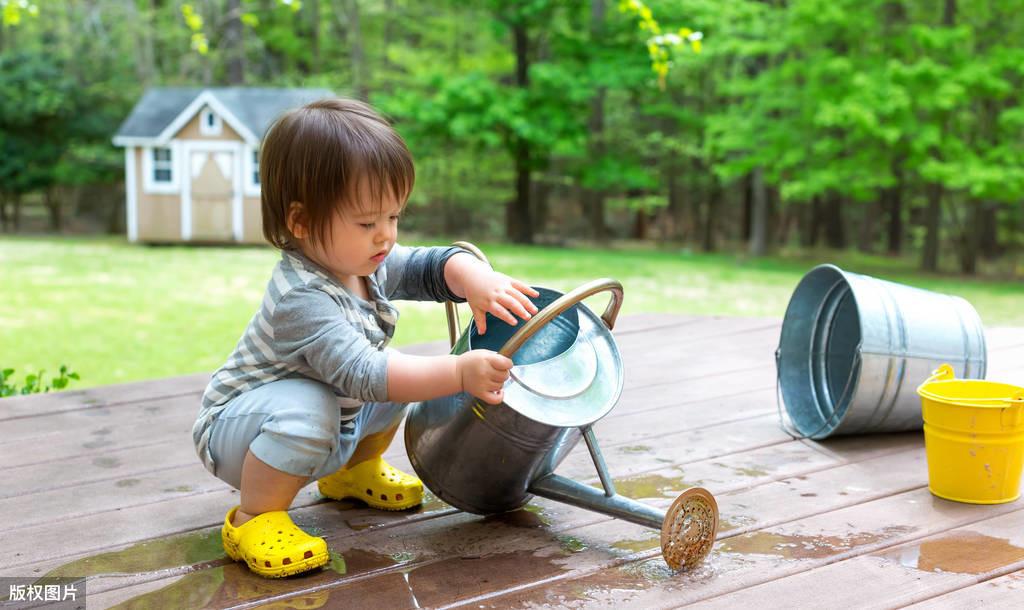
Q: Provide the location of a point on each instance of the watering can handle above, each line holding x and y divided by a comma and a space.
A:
562, 303
450, 310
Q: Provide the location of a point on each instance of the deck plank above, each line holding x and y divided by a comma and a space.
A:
1003, 593
901, 575
658, 489
115, 465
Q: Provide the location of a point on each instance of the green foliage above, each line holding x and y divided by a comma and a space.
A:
848, 101
34, 383
37, 109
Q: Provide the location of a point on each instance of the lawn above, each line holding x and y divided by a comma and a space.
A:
117, 312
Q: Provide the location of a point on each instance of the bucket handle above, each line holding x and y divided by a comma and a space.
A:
943, 373
450, 310
562, 303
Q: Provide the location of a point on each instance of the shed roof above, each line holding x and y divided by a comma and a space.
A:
254, 107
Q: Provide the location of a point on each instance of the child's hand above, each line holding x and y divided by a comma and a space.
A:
496, 293
482, 373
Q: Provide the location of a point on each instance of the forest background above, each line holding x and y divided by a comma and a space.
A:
704, 153
881, 125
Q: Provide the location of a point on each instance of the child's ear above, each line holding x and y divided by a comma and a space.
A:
297, 220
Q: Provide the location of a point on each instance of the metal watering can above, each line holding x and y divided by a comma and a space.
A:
567, 374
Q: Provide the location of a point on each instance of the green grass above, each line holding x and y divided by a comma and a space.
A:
117, 312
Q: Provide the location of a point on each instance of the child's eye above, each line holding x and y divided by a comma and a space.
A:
366, 225
395, 218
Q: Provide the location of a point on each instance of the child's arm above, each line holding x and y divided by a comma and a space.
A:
308, 333
417, 273
481, 373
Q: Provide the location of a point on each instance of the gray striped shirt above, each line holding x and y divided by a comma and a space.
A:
310, 325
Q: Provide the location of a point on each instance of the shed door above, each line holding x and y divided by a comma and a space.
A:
212, 173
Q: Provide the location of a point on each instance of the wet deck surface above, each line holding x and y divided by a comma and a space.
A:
104, 483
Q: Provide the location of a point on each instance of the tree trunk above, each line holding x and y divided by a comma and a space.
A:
970, 239
313, 8
53, 206
539, 203
989, 231
640, 224
145, 69
519, 226
810, 222
759, 214
676, 201
930, 254
357, 56
16, 216
713, 205
933, 218
868, 226
234, 44
835, 233
594, 199
746, 225
893, 198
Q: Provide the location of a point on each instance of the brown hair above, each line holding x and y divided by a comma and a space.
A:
319, 155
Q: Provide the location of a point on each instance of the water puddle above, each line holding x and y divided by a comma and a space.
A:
571, 544
638, 545
733, 522
431, 504
960, 552
651, 486
794, 546
229, 585
160, 554
752, 472
523, 518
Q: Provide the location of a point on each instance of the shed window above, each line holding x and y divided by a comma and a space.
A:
209, 123
256, 166
162, 165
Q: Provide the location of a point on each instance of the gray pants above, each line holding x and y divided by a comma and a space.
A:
292, 425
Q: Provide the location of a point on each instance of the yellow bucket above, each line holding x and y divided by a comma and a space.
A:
973, 437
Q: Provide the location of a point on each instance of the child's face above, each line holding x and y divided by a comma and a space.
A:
357, 240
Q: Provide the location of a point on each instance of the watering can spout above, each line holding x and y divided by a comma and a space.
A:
688, 528
565, 490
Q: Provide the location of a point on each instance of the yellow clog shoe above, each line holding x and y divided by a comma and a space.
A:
272, 546
375, 482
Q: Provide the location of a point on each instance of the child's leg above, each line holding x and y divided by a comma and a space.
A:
265, 489
372, 446
268, 443
289, 426
366, 476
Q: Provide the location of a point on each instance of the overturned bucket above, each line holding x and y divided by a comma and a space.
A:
854, 348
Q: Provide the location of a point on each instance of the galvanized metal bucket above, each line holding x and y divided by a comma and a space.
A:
854, 348
567, 374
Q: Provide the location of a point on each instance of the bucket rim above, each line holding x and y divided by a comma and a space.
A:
1014, 399
838, 406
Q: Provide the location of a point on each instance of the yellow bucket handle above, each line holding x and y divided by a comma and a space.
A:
945, 372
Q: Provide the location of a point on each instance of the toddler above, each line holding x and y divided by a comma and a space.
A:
310, 393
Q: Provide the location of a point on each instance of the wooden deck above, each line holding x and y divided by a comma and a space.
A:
105, 483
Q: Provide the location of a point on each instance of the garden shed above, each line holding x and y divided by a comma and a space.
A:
191, 161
